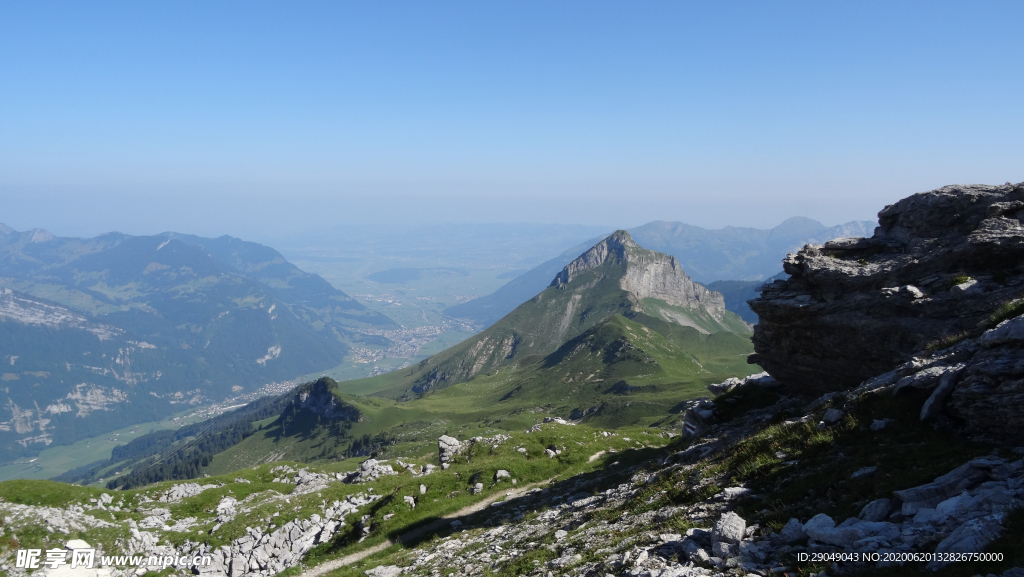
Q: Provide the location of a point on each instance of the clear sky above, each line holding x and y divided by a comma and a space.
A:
230, 117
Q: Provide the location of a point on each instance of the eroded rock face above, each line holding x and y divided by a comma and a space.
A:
648, 274
938, 264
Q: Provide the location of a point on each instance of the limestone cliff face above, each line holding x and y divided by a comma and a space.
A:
648, 274
938, 264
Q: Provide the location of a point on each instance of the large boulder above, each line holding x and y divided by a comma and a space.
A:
938, 264
729, 528
448, 448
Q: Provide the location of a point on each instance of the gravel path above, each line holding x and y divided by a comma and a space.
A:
424, 530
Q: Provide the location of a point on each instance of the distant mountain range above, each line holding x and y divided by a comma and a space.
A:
730, 253
621, 335
100, 333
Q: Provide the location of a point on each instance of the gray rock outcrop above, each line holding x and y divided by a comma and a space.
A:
370, 470
183, 491
318, 399
648, 274
448, 448
977, 383
939, 263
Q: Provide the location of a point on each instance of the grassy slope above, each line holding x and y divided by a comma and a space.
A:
629, 372
447, 491
538, 327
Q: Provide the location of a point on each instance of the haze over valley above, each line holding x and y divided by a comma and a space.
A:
140, 328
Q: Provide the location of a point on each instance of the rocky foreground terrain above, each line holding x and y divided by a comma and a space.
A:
677, 513
586, 527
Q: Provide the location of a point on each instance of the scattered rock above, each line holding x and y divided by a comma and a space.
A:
699, 416
183, 491
970, 537
226, 509
863, 472
792, 531
878, 425
384, 571
832, 416
877, 510
724, 387
370, 470
762, 379
729, 528
731, 493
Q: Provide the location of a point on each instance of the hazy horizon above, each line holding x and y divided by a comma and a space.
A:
90, 229
262, 118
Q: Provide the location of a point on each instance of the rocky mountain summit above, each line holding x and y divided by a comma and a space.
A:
706, 255
939, 263
648, 274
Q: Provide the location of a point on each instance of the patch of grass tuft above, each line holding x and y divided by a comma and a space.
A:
742, 400
1008, 310
946, 342
958, 279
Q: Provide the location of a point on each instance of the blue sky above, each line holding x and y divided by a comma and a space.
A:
230, 117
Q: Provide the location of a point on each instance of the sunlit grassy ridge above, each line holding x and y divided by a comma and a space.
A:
621, 372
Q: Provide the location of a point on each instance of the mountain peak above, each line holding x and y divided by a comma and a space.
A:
612, 249
40, 235
34, 235
646, 273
